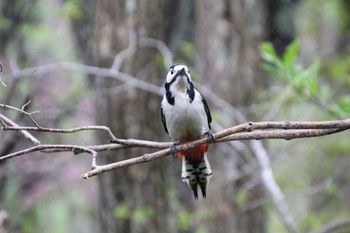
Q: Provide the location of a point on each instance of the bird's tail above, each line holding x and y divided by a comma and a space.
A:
196, 172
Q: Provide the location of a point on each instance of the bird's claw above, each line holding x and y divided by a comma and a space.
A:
173, 148
210, 136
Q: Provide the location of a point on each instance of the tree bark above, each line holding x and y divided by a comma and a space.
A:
141, 192
228, 34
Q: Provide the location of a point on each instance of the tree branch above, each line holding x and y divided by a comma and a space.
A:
234, 133
333, 226
6, 122
245, 131
48, 148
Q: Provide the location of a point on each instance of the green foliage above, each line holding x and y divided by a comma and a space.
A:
72, 9
143, 214
309, 91
121, 211
241, 198
183, 220
139, 215
287, 69
311, 222
305, 80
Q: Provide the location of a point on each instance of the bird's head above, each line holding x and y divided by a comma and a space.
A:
179, 78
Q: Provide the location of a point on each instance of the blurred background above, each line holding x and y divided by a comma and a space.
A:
253, 60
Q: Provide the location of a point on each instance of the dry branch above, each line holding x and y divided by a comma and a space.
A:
239, 132
246, 131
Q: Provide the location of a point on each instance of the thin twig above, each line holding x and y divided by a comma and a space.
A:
122, 55
43, 148
1, 69
72, 130
6, 122
19, 110
162, 48
29, 114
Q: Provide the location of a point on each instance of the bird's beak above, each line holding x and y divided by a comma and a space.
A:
182, 72
182, 83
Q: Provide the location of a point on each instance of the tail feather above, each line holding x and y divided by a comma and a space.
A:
196, 173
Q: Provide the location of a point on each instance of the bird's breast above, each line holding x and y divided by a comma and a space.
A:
186, 120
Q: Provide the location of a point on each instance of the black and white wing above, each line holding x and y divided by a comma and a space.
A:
207, 111
163, 119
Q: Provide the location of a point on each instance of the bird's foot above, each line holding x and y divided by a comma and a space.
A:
173, 148
210, 136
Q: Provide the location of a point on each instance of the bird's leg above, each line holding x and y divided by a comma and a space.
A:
210, 136
173, 148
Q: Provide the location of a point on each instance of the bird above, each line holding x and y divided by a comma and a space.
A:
186, 117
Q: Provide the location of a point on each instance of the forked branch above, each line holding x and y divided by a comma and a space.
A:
245, 131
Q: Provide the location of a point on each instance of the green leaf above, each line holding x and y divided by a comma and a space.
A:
268, 52
291, 53
142, 214
272, 70
314, 88
313, 70
307, 78
339, 111
121, 211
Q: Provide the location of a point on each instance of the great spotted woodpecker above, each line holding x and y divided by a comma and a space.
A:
186, 117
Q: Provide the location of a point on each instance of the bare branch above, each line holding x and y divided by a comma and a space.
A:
6, 122
128, 162
162, 48
237, 134
122, 55
72, 130
19, 110
333, 226
281, 134
246, 131
49, 148
85, 69
29, 114
1, 69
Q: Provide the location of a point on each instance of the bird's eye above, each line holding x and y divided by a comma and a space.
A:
172, 72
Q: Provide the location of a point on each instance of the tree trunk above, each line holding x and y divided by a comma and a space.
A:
151, 197
133, 199
228, 35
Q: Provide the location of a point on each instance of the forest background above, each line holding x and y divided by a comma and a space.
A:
104, 63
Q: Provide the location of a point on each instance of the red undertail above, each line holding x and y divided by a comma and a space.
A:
195, 154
